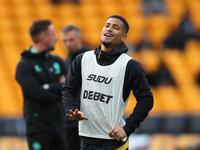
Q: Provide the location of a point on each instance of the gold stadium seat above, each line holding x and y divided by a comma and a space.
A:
191, 3
3, 3
190, 97
7, 39
160, 141
40, 3
89, 2
196, 21
174, 60
17, 3
93, 10
149, 60
17, 143
192, 57
20, 12
175, 8
8, 106
109, 10
132, 9
137, 24
4, 11
42, 12
5, 26
159, 27
158, 103
171, 100
130, 106
184, 141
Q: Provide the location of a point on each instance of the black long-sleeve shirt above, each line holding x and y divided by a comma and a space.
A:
134, 80
43, 109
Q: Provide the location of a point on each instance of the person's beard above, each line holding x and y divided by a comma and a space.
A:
106, 43
50, 49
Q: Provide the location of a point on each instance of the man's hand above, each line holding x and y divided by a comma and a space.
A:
62, 79
117, 132
76, 115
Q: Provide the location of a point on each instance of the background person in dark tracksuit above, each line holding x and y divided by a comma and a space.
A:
106, 77
72, 41
41, 76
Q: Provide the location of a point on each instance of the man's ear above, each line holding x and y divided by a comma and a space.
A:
81, 39
124, 37
42, 37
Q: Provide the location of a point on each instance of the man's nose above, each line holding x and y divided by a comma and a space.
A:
108, 29
67, 43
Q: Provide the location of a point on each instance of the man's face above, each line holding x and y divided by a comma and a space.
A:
50, 38
71, 40
113, 33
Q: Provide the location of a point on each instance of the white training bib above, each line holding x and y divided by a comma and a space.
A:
101, 95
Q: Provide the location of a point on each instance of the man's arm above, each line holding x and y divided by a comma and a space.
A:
135, 80
56, 87
72, 85
31, 86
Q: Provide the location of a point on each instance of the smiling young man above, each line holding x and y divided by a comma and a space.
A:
106, 77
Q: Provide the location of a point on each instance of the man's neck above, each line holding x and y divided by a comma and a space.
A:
39, 48
106, 49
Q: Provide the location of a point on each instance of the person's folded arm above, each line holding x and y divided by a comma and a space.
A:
31, 86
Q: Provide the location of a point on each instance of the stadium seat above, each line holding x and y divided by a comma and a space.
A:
158, 104
192, 56
190, 97
175, 8
130, 106
159, 28
17, 3
4, 11
17, 143
149, 60
194, 123
175, 124
132, 9
172, 103
174, 60
137, 24
162, 141
152, 124
42, 12
185, 141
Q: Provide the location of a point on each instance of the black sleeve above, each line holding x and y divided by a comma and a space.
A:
31, 86
135, 80
62, 65
72, 85
56, 87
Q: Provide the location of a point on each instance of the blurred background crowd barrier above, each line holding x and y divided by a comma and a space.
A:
164, 37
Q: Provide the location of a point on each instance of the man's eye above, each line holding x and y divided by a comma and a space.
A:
116, 28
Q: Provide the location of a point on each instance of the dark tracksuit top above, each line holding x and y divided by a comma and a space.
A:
134, 80
43, 109
68, 63
72, 56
